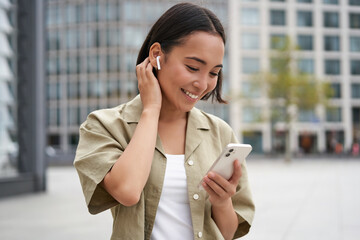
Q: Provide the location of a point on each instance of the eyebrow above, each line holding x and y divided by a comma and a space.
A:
202, 61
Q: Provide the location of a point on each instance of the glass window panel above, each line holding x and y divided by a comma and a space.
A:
332, 43
250, 65
306, 66
112, 11
277, 41
251, 90
112, 64
304, 19
133, 36
355, 90
354, 2
251, 114
305, 42
331, 1
333, 114
250, 41
336, 88
93, 38
133, 10
331, 19
73, 116
354, 20
53, 90
304, 1
96, 88
332, 66
354, 44
72, 39
113, 37
307, 115
73, 90
113, 88
277, 18
355, 67
250, 16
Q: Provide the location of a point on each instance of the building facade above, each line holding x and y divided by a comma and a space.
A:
92, 48
328, 35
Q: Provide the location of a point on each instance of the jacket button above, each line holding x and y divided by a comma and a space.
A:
200, 234
190, 163
196, 196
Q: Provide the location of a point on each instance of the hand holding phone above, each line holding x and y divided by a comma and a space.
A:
224, 163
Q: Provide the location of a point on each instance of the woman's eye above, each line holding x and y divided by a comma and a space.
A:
214, 74
192, 68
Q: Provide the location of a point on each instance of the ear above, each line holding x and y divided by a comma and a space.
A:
155, 50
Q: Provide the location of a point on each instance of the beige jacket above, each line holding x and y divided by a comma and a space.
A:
104, 136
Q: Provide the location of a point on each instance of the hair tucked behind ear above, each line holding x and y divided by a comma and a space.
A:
177, 23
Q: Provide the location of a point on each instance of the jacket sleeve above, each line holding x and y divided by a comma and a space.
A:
97, 152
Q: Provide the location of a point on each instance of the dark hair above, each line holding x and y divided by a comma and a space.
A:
177, 23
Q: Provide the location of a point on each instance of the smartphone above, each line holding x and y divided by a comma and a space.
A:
224, 164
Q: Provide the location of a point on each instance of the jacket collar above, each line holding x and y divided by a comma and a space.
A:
196, 125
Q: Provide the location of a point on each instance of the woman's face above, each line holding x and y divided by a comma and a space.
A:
190, 71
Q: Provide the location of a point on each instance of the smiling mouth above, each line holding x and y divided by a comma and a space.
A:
193, 96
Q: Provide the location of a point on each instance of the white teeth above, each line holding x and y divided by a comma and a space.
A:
190, 94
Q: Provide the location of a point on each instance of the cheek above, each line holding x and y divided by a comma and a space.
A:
212, 84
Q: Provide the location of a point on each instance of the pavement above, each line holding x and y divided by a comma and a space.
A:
306, 199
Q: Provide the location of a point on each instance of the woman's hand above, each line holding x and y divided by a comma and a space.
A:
219, 189
220, 192
148, 85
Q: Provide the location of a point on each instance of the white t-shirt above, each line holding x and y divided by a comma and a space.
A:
173, 217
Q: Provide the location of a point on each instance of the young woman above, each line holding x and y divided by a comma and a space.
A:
144, 159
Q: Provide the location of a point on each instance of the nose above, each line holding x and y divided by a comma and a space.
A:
201, 83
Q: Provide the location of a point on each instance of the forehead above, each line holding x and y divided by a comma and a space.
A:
203, 45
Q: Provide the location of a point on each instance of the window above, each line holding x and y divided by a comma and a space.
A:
354, 2
306, 66
355, 90
53, 90
250, 17
304, 19
251, 90
331, 1
277, 0
73, 90
112, 64
331, 43
73, 64
278, 41
111, 11
354, 20
112, 37
333, 114
73, 116
331, 19
355, 44
96, 89
277, 18
355, 67
250, 65
305, 42
332, 66
307, 115
250, 41
74, 139
304, 1
53, 116
133, 36
336, 90
72, 39
113, 88
251, 114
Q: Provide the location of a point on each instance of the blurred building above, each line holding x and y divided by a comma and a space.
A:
8, 146
92, 48
22, 101
328, 34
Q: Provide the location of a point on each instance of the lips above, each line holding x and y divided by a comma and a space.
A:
193, 96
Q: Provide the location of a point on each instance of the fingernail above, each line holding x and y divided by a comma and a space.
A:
211, 174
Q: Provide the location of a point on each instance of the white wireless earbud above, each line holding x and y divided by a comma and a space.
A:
158, 62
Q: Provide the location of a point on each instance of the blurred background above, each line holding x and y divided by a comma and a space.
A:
62, 59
